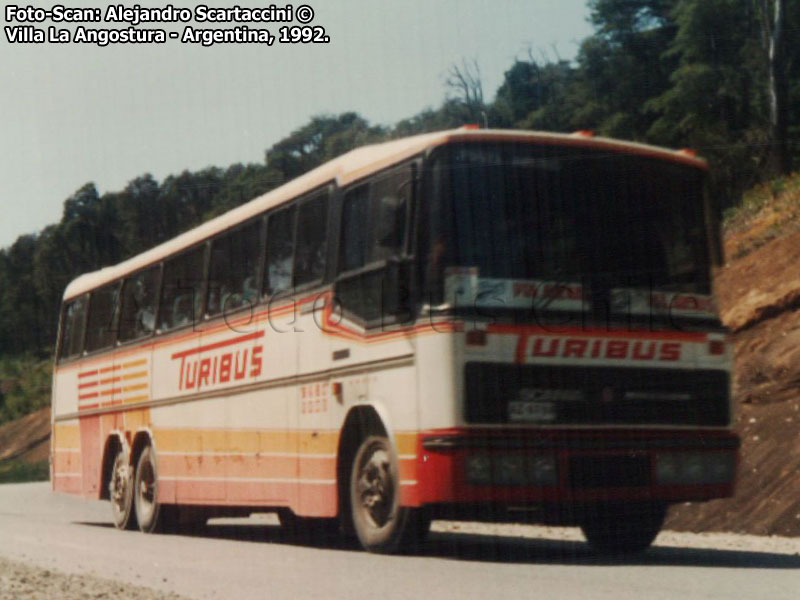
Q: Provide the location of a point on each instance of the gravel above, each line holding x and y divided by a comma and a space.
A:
18, 580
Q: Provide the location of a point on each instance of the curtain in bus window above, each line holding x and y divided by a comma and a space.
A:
181, 294
138, 314
72, 337
100, 329
312, 232
280, 251
234, 270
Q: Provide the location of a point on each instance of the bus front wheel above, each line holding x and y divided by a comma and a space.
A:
380, 522
148, 509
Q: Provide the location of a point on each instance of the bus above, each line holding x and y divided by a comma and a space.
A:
470, 324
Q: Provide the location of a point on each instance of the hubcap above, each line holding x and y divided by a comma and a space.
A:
119, 486
375, 487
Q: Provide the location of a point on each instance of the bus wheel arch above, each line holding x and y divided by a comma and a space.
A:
360, 423
369, 485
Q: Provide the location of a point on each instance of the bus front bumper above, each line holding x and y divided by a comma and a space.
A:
509, 466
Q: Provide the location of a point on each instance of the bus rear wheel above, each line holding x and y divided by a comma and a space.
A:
148, 509
623, 528
381, 524
120, 492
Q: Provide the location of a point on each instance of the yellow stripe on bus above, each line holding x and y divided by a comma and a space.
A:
134, 363
67, 436
220, 440
134, 375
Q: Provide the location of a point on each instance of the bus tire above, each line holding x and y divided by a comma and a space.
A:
120, 491
624, 528
148, 509
381, 524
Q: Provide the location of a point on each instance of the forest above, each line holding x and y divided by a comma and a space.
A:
719, 76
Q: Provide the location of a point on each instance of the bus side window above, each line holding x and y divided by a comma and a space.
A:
101, 326
138, 316
73, 328
373, 231
374, 220
280, 251
389, 200
233, 270
181, 291
312, 237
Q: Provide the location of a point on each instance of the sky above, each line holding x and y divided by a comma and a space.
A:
74, 113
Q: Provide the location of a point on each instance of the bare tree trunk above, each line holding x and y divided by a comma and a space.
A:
774, 34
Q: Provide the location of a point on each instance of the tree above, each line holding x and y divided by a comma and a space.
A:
465, 91
773, 28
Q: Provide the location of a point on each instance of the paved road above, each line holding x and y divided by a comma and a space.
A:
252, 559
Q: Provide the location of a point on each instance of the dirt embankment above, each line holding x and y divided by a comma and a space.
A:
759, 296
26, 439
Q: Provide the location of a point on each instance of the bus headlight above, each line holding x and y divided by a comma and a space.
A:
479, 469
511, 469
695, 468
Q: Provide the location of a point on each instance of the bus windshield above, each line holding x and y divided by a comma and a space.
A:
571, 216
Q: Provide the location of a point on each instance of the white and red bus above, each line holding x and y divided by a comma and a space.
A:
467, 324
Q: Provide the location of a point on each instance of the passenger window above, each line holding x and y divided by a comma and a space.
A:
354, 229
234, 269
73, 328
280, 251
312, 232
390, 196
101, 328
181, 292
374, 219
139, 301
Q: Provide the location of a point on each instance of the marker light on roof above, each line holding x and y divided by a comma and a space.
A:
470, 126
688, 151
584, 132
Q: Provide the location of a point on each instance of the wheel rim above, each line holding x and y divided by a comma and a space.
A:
146, 490
375, 487
119, 487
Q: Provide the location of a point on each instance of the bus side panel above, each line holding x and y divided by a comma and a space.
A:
66, 438
66, 443
91, 450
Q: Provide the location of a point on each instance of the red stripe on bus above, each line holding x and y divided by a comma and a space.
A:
88, 406
111, 391
87, 396
109, 369
110, 380
87, 385
87, 374
237, 340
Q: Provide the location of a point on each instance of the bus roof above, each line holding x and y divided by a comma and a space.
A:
352, 166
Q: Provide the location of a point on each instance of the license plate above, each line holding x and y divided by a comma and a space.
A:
531, 411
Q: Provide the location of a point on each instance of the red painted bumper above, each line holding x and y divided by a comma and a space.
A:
442, 470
